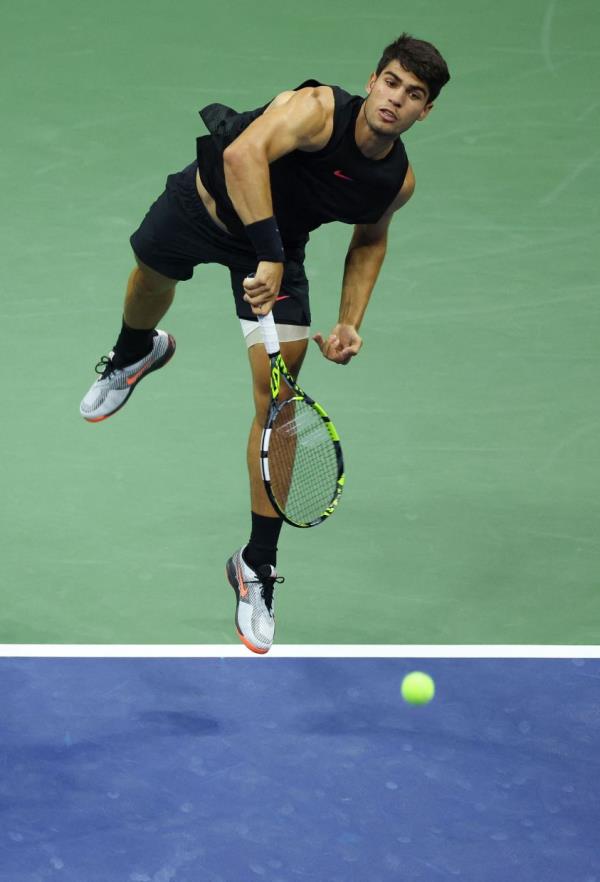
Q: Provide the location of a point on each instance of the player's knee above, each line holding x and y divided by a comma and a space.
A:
149, 281
262, 400
293, 354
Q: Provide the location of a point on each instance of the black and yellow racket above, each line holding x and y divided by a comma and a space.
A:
301, 455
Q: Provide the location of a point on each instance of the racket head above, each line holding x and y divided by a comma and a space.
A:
301, 461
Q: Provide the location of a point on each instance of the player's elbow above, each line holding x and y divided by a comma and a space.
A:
372, 236
232, 155
238, 155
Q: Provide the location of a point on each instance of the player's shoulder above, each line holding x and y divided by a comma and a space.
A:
321, 95
311, 95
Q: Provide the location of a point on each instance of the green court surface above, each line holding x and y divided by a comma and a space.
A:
470, 418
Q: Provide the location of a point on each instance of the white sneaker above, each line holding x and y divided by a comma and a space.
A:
115, 385
254, 611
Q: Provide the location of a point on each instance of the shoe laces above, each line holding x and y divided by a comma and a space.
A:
267, 583
105, 367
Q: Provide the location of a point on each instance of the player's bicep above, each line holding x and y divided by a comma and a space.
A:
300, 122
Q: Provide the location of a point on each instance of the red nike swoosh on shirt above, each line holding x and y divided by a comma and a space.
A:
282, 297
340, 174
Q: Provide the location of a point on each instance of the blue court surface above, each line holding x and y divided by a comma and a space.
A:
233, 770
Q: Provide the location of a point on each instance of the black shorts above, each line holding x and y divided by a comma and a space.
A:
178, 233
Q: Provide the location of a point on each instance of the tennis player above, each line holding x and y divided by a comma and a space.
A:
262, 181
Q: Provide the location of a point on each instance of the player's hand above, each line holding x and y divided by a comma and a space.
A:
342, 344
262, 288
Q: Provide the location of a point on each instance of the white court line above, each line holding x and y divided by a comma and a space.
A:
546, 34
59, 650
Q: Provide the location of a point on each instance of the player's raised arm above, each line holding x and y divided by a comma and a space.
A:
301, 120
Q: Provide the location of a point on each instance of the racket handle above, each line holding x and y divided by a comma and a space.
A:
269, 332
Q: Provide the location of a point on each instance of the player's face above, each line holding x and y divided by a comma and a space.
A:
397, 99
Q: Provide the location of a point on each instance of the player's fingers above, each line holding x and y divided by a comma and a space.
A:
332, 348
257, 298
263, 303
262, 308
257, 291
346, 354
256, 286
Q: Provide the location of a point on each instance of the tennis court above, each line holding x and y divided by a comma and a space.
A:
214, 769
469, 425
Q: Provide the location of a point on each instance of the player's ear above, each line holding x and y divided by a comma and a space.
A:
370, 83
426, 111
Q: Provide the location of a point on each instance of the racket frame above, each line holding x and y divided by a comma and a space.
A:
280, 371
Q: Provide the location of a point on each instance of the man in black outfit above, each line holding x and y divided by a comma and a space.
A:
262, 181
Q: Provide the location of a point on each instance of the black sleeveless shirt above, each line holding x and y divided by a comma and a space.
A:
336, 183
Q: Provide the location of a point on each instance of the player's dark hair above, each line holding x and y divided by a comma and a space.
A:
420, 58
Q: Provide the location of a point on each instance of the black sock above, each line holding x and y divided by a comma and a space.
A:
262, 547
132, 345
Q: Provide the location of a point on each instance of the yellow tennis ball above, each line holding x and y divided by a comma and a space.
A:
417, 688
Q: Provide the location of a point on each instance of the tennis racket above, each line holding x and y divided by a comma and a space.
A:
301, 455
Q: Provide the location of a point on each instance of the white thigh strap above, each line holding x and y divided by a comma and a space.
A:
287, 333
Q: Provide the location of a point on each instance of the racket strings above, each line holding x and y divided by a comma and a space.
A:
303, 462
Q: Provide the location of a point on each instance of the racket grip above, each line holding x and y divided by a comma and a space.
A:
269, 332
